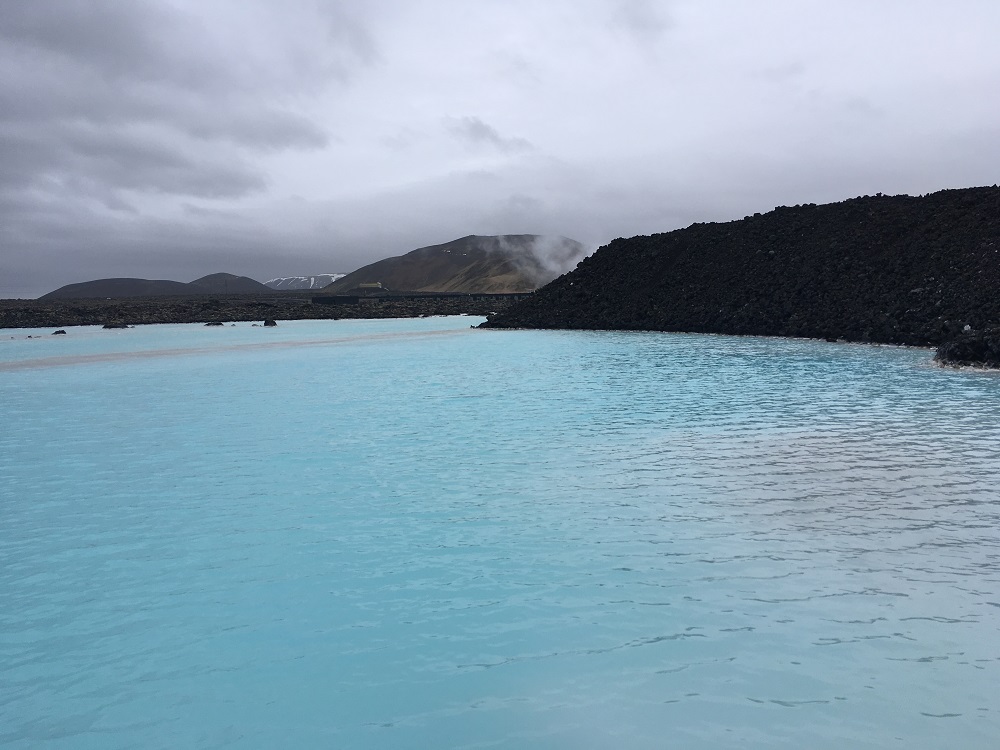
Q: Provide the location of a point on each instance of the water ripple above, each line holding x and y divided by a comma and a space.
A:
416, 535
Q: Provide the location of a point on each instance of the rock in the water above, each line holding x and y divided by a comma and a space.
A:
115, 324
269, 323
213, 323
60, 331
971, 348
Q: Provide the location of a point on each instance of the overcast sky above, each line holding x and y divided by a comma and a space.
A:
176, 138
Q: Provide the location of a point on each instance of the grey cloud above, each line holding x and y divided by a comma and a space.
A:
114, 202
516, 67
267, 130
782, 72
107, 107
166, 44
140, 96
122, 41
861, 105
72, 95
118, 70
516, 210
211, 213
475, 132
59, 159
348, 39
644, 19
166, 138
404, 138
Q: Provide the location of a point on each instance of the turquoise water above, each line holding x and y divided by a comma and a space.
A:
410, 534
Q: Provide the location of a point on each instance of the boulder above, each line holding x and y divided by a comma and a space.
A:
270, 323
59, 332
971, 349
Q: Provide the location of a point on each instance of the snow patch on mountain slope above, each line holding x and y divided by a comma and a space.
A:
318, 281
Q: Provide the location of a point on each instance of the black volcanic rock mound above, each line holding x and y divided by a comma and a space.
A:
889, 269
496, 264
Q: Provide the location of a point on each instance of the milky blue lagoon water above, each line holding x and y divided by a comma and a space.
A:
410, 534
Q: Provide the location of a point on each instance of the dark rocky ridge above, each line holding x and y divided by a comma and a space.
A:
884, 269
58, 313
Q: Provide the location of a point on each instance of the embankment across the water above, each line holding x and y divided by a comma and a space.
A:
231, 307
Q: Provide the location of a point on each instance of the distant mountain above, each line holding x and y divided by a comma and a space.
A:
318, 281
216, 283
492, 264
227, 283
119, 288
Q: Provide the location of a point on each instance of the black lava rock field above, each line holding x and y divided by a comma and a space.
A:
882, 269
126, 312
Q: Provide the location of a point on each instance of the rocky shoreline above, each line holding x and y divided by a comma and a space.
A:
878, 269
225, 309
921, 271
973, 349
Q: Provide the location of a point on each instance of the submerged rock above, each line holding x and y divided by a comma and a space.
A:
269, 323
971, 349
60, 331
213, 323
115, 324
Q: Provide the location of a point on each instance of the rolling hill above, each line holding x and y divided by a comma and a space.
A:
216, 283
227, 283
